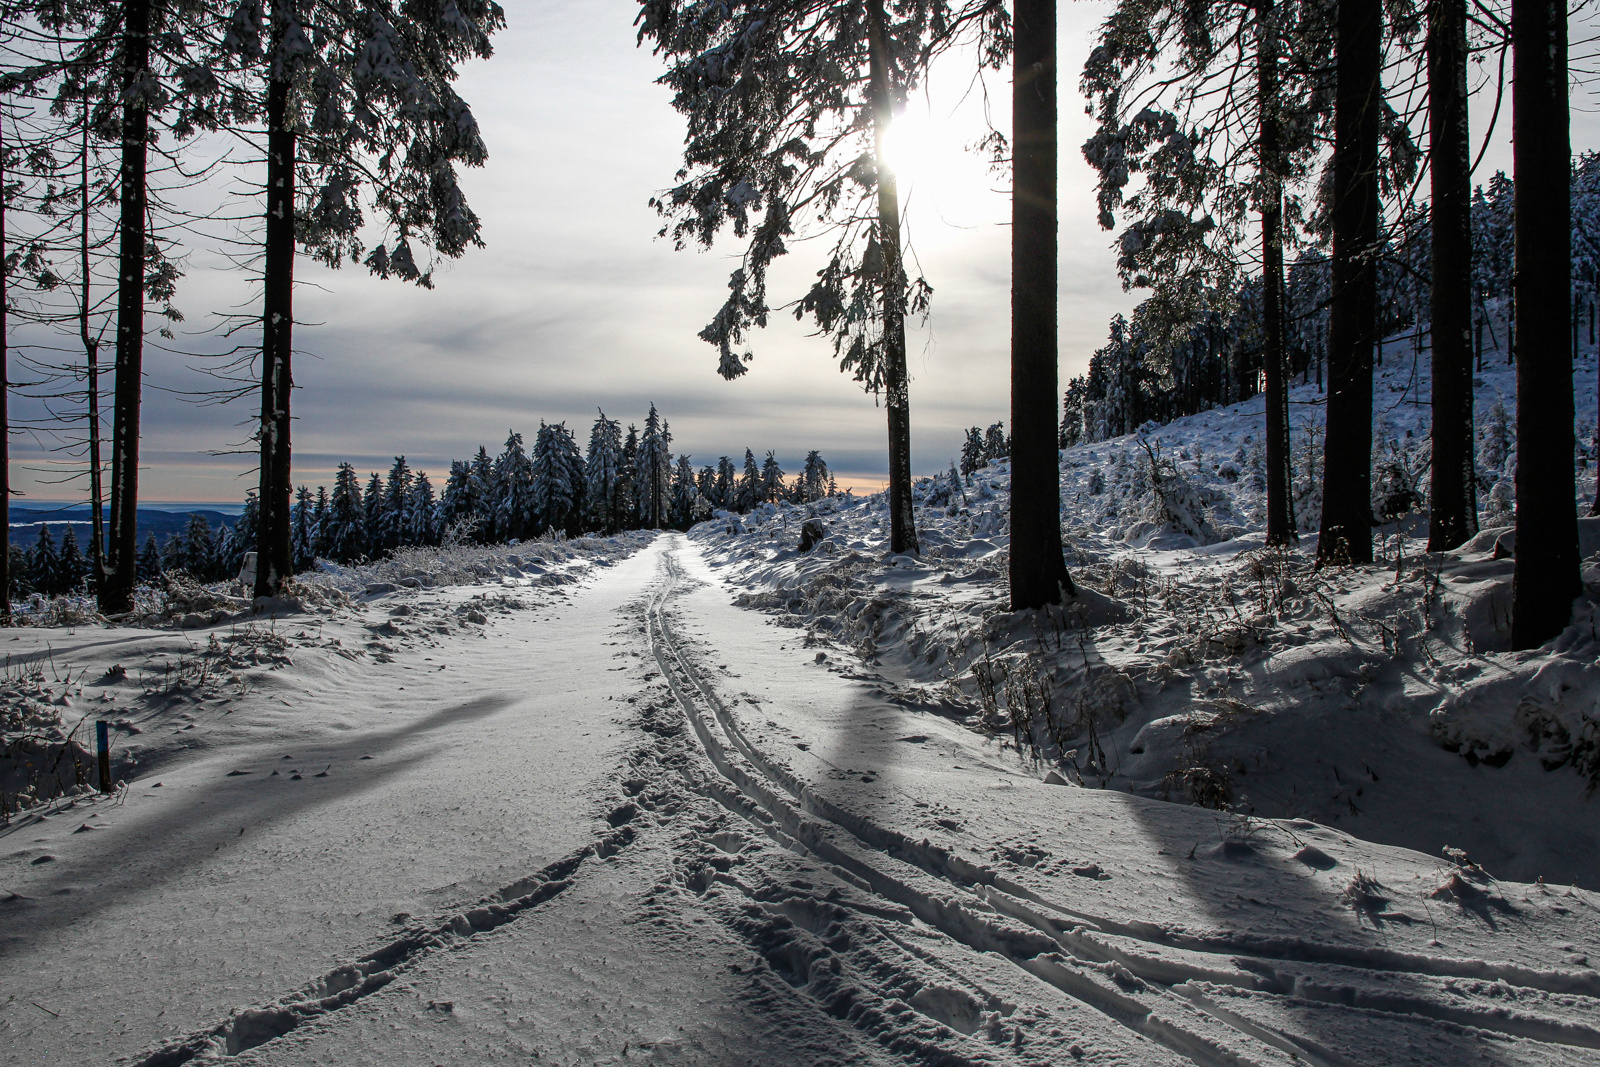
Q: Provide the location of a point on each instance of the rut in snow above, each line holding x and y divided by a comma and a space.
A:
1074, 951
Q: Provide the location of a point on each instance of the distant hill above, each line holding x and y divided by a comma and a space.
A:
25, 522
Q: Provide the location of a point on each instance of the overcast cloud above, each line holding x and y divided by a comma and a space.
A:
575, 305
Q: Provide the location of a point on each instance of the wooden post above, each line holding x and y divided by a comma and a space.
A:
103, 745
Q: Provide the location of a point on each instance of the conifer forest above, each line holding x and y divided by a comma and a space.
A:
434, 634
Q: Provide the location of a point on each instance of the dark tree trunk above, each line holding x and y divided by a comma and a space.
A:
91, 352
897, 395
5, 413
1453, 509
1280, 515
274, 551
116, 592
1353, 320
1038, 571
1545, 580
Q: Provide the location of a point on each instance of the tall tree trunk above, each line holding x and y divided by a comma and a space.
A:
5, 413
274, 552
116, 592
897, 395
1353, 314
1453, 509
1545, 580
91, 351
1038, 570
1280, 514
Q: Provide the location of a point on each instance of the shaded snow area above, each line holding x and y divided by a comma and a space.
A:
1198, 666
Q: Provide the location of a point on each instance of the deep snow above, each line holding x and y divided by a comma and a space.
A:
631, 821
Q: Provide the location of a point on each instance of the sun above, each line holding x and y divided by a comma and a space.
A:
938, 176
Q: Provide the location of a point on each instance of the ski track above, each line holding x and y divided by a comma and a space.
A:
1139, 991
923, 952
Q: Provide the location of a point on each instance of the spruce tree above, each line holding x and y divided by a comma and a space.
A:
748, 494
653, 471
150, 560
346, 526
354, 91
727, 477
395, 525
71, 567
319, 524
44, 562
771, 479
790, 105
485, 498
199, 550
424, 528
602, 475
628, 478
459, 502
514, 512
372, 515
304, 516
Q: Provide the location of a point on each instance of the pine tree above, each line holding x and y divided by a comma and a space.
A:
319, 524
394, 526
44, 562
71, 567
353, 90
150, 560
514, 512
601, 475
813, 480
558, 476
748, 493
653, 472
995, 444
459, 503
346, 528
485, 496
199, 549
771, 479
424, 511
372, 515
172, 552
760, 83
726, 495
305, 552
972, 456
685, 495
628, 479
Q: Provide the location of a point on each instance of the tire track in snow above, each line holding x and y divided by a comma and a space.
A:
248, 1028
1073, 955
1031, 951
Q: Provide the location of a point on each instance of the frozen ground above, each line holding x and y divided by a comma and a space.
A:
623, 819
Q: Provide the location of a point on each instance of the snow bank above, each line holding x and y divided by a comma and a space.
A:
1212, 670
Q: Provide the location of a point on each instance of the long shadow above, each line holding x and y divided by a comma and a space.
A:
141, 858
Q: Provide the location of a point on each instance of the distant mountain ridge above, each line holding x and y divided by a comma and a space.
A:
26, 520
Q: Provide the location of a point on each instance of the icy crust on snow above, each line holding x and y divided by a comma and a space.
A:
1198, 666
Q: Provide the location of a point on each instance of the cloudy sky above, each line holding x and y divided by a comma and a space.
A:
576, 305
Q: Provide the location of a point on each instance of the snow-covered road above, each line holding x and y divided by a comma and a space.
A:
644, 825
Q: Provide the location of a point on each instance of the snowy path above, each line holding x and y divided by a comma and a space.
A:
769, 860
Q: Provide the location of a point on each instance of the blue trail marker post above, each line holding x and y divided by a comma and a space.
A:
103, 745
